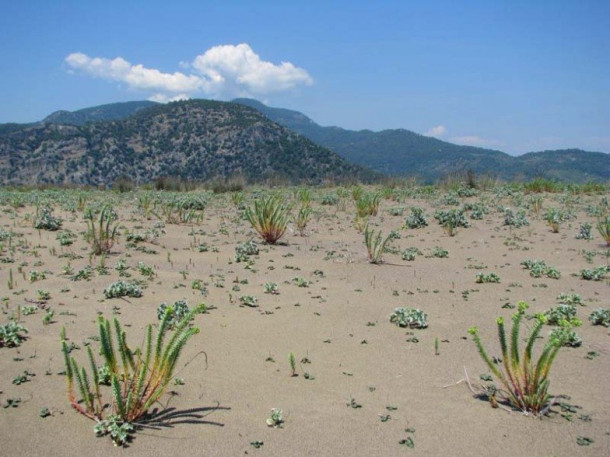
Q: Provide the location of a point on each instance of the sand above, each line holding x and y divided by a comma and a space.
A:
339, 323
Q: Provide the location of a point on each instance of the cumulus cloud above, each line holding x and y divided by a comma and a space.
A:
221, 71
474, 140
437, 131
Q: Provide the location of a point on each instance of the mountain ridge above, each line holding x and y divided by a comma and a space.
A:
193, 140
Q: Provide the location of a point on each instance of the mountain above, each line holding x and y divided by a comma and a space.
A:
194, 140
109, 112
404, 153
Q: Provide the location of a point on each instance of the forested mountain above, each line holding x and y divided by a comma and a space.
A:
404, 153
194, 140
109, 112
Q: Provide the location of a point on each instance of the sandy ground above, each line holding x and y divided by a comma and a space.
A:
340, 323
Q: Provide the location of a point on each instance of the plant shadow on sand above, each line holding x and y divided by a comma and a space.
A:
168, 417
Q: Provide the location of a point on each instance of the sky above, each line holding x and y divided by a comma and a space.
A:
517, 76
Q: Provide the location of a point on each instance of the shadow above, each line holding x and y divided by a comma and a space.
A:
169, 417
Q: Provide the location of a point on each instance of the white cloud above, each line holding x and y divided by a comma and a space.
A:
164, 98
474, 140
221, 71
437, 131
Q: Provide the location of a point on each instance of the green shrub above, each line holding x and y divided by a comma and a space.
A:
409, 317
367, 204
451, 219
410, 253
487, 278
526, 383
269, 217
243, 251
515, 220
539, 268
570, 299
584, 232
600, 316
597, 274
603, 227
375, 245
417, 218
11, 334
122, 289
101, 232
178, 311
557, 314
45, 220
138, 378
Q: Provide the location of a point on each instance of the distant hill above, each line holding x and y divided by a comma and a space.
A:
109, 112
404, 153
195, 140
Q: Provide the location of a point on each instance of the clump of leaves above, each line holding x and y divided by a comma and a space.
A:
269, 217
243, 251
451, 219
176, 312
249, 300
515, 220
410, 253
271, 288
45, 220
557, 314
138, 378
603, 227
570, 299
600, 316
584, 232
101, 231
486, 278
375, 245
596, 274
302, 218
276, 419
440, 252
11, 334
417, 218
554, 217
525, 381
409, 318
367, 204
122, 289
539, 268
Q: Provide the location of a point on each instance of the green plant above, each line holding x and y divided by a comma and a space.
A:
122, 289
176, 312
409, 254
558, 314
554, 217
485, 278
515, 220
375, 245
451, 219
570, 299
600, 316
269, 218
603, 227
276, 419
271, 288
526, 383
409, 317
539, 268
584, 232
293, 364
417, 218
597, 274
45, 220
101, 232
303, 218
367, 204
11, 334
440, 252
138, 378
244, 250
248, 300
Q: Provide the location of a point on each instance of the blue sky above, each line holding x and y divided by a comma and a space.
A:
511, 75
